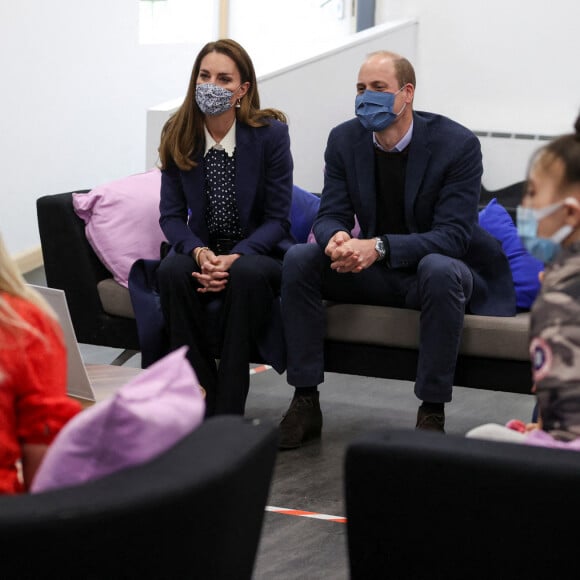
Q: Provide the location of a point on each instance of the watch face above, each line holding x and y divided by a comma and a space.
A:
380, 248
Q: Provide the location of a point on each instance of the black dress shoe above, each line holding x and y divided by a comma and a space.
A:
430, 420
302, 422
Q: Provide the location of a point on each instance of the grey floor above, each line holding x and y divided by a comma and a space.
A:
310, 478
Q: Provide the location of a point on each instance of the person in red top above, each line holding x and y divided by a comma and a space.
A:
34, 405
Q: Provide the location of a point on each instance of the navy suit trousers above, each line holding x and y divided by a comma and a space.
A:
228, 325
440, 288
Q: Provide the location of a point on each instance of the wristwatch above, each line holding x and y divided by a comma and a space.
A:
380, 249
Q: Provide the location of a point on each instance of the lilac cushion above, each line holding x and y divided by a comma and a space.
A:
525, 268
122, 221
145, 417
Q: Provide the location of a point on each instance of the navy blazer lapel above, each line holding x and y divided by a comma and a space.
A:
419, 154
365, 173
193, 182
248, 154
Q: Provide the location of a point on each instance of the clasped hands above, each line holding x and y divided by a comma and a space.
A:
346, 254
350, 254
214, 270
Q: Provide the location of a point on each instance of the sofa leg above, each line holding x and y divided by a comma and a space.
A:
124, 357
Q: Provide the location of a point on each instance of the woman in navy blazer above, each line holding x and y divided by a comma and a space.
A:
226, 192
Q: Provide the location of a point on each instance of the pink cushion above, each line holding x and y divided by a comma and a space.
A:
122, 221
145, 417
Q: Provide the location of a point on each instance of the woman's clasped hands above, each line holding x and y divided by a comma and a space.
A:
214, 270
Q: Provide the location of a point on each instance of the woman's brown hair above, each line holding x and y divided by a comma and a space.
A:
182, 136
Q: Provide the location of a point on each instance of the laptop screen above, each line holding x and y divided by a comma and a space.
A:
78, 382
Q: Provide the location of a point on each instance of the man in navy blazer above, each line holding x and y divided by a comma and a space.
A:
413, 180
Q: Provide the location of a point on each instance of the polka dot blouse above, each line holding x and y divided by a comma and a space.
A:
222, 216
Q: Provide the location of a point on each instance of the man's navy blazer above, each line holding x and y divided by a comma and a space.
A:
263, 178
442, 187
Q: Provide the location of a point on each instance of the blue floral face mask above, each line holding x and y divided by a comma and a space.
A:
213, 100
374, 109
544, 249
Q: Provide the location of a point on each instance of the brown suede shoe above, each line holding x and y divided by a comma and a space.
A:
302, 422
430, 421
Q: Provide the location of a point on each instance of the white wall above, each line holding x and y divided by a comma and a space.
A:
75, 89
316, 94
494, 66
77, 85
502, 65
290, 31
498, 65
320, 93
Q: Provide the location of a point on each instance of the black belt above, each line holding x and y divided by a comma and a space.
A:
222, 245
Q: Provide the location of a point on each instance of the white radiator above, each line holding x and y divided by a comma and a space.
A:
506, 156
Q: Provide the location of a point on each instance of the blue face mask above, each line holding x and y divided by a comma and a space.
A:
544, 249
374, 109
213, 100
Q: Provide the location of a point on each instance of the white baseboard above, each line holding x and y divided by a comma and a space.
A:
29, 260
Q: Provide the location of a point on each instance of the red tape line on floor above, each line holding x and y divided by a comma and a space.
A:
288, 511
260, 369
305, 514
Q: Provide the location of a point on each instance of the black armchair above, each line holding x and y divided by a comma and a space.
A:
426, 505
196, 511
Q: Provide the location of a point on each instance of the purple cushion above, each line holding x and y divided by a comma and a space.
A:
145, 417
122, 221
353, 233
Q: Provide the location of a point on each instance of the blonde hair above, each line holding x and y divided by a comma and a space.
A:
13, 283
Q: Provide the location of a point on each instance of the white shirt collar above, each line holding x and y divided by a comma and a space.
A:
228, 143
400, 146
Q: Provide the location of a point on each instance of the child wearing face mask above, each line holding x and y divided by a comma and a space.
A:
548, 223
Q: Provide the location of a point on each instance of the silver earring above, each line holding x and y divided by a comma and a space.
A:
238, 104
